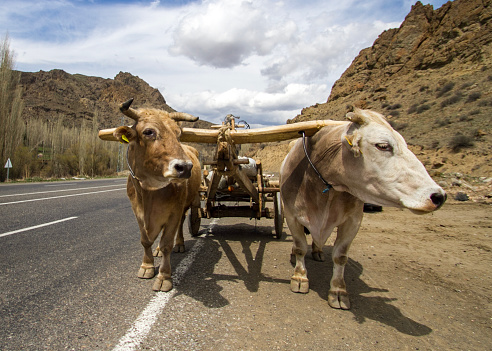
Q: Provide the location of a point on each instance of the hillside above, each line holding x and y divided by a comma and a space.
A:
48, 95
432, 78
75, 97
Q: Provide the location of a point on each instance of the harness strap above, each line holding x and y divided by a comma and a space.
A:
328, 185
128, 163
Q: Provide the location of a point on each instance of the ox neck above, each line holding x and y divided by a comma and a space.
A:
328, 185
130, 167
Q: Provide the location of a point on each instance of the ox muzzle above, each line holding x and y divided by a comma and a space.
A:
438, 199
180, 169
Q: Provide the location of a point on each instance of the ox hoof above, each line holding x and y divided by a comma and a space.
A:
157, 252
146, 272
318, 256
162, 284
179, 248
299, 285
339, 300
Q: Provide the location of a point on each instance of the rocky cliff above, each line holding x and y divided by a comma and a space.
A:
75, 97
48, 95
432, 78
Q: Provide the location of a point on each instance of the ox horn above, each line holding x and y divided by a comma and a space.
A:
182, 117
128, 111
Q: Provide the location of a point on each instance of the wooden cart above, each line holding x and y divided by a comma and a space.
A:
229, 188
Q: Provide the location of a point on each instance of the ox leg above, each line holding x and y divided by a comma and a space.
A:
299, 282
179, 245
317, 253
147, 238
157, 252
338, 296
164, 281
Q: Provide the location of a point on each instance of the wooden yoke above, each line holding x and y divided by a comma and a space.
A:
226, 161
245, 136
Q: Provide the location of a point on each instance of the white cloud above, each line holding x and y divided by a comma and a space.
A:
224, 33
259, 59
256, 107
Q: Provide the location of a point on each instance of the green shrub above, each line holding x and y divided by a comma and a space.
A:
466, 85
443, 122
398, 126
474, 96
445, 89
483, 103
451, 100
394, 107
460, 141
423, 108
412, 109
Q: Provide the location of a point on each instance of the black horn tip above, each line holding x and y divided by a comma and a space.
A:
126, 105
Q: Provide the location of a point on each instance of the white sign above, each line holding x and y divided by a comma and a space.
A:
8, 164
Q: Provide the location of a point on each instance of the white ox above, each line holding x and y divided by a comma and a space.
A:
364, 161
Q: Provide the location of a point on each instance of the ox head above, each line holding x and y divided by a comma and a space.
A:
155, 154
384, 170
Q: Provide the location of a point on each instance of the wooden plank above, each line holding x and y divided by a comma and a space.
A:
242, 179
244, 136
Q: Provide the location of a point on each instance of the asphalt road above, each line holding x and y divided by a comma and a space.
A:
70, 253
58, 280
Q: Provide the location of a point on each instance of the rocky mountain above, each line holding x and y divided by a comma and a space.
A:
432, 78
74, 97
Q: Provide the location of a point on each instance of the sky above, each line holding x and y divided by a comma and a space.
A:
260, 60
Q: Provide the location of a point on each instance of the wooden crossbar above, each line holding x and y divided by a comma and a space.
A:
245, 136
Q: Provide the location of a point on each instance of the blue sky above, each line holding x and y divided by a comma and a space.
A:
261, 60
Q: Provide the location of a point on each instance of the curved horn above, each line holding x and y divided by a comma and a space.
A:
181, 116
128, 111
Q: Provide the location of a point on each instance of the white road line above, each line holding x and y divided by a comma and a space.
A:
59, 197
36, 226
57, 191
142, 325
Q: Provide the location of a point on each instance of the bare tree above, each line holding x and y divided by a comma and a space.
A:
11, 105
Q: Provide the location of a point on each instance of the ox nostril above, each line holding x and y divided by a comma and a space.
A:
183, 169
438, 199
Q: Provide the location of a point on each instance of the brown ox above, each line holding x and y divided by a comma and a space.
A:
163, 184
364, 161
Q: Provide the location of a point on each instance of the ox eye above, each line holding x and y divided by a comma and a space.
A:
384, 147
149, 133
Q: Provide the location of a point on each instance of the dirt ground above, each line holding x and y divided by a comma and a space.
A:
415, 283
442, 264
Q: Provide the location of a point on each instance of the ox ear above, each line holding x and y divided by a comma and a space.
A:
352, 142
125, 134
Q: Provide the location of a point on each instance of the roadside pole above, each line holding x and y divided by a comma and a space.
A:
8, 165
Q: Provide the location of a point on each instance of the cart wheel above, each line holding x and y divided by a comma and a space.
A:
194, 221
279, 216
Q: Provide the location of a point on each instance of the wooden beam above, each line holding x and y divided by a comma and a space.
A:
242, 179
245, 136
